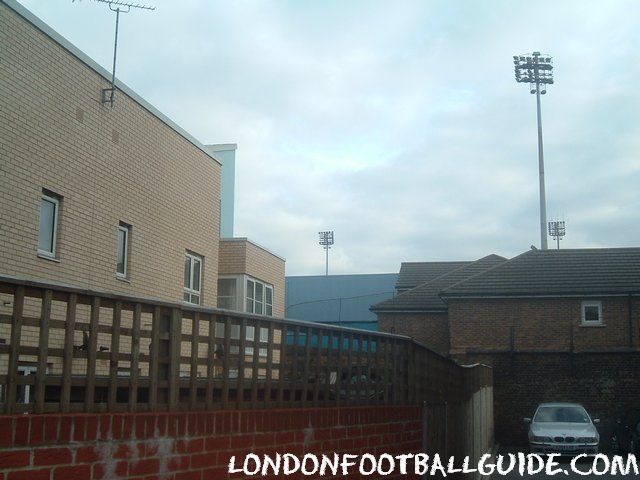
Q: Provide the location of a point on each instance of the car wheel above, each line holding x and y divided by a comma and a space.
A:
615, 444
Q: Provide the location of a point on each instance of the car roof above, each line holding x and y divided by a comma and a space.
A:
560, 404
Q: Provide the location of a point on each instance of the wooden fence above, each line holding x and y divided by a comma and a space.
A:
64, 349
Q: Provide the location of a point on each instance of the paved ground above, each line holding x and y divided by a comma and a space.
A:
564, 464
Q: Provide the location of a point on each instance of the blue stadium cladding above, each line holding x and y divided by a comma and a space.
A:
338, 299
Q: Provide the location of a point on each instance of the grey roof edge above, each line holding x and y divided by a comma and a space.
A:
342, 275
569, 294
221, 147
433, 280
88, 61
255, 244
404, 285
443, 293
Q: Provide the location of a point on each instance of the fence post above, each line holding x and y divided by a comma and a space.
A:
175, 334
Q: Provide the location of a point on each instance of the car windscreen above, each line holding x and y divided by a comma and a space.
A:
561, 414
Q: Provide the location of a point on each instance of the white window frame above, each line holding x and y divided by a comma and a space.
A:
56, 202
264, 303
592, 303
126, 229
192, 257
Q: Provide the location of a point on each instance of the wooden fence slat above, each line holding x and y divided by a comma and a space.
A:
270, 361
14, 346
115, 350
294, 365
307, 359
135, 358
153, 360
226, 361
193, 378
283, 365
339, 372
241, 363
255, 366
318, 368
67, 363
90, 390
175, 339
211, 354
328, 366
43, 345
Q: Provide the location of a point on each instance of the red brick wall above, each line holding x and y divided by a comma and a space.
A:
539, 324
431, 329
186, 446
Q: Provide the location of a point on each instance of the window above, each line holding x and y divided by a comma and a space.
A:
192, 277
49, 209
227, 293
123, 250
259, 298
592, 313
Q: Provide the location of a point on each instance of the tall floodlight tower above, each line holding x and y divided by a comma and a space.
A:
536, 69
326, 240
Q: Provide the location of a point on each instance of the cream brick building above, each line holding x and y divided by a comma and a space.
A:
116, 199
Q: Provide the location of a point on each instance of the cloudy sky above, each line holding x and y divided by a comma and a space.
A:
397, 124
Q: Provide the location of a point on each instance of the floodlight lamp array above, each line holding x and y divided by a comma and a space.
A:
535, 69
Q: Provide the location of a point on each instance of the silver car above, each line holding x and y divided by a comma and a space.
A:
564, 428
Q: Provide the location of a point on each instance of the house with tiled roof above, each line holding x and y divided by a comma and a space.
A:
556, 325
420, 312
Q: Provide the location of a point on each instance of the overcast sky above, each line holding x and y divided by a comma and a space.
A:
397, 124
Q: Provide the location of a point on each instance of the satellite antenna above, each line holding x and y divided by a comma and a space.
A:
117, 6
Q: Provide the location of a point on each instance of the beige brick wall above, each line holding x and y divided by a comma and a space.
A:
241, 256
109, 165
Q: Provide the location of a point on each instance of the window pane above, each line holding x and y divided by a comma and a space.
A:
250, 286
219, 330
122, 248
195, 299
250, 332
268, 291
249, 306
258, 292
591, 314
264, 334
187, 272
47, 223
235, 332
227, 287
196, 274
268, 310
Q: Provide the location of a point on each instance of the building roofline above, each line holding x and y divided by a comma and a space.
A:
92, 64
245, 239
221, 147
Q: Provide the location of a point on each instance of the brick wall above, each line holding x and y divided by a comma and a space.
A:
193, 445
431, 329
540, 324
605, 383
108, 165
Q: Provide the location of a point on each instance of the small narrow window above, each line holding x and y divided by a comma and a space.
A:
250, 296
49, 210
268, 300
592, 313
259, 300
192, 278
122, 267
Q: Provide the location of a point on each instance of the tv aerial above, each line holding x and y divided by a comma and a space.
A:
117, 6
